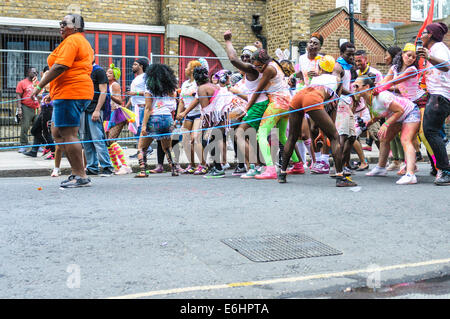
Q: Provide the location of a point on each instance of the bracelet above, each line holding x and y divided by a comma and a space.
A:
385, 123
37, 86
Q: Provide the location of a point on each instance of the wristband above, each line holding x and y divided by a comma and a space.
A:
37, 86
385, 123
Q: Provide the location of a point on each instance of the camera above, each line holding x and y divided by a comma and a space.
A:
361, 124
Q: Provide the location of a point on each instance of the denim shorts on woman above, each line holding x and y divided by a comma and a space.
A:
67, 113
160, 124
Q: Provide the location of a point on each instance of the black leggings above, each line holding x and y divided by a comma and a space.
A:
161, 155
41, 128
436, 111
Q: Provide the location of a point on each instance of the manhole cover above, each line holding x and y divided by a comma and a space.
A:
280, 247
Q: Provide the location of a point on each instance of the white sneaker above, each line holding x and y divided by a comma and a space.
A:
378, 171
407, 179
56, 172
123, 170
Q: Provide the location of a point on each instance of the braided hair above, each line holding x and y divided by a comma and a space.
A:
161, 80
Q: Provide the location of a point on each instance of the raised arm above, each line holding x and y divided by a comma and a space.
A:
234, 59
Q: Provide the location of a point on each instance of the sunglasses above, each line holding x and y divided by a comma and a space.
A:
63, 24
425, 33
356, 86
245, 56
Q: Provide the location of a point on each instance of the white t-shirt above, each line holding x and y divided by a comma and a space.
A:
327, 80
188, 89
138, 85
381, 103
438, 82
163, 105
307, 65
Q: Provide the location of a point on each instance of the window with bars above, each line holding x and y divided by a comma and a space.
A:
122, 48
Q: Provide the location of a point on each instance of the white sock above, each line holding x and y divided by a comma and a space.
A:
302, 150
318, 156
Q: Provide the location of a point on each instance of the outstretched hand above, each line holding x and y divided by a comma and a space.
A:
227, 35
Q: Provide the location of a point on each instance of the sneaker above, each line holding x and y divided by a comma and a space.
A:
30, 154
56, 172
215, 173
189, 170
106, 172
407, 179
442, 178
269, 173
282, 177
251, 173
378, 171
238, 171
123, 170
157, 170
200, 170
395, 165
347, 171
22, 150
135, 155
46, 151
345, 181
50, 156
321, 168
90, 172
402, 170
226, 166
76, 181
296, 169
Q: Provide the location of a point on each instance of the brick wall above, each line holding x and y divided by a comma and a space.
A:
112, 11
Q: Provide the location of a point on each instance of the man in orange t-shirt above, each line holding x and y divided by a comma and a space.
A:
71, 90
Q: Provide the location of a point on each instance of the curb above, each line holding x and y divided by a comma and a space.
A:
38, 172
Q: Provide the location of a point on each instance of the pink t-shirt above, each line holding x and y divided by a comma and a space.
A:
409, 88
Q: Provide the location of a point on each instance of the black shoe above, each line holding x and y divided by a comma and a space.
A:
76, 181
135, 155
215, 173
345, 181
281, 177
106, 172
89, 172
443, 179
30, 153
239, 171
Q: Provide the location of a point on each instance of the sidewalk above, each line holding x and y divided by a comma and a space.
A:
14, 164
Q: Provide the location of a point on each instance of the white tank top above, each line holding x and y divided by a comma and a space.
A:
277, 84
251, 89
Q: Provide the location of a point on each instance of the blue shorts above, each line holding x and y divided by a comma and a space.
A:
160, 124
192, 118
67, 113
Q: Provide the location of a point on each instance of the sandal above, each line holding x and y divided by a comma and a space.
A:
157, 170
141, 174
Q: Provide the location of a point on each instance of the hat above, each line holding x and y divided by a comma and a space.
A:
327, 63
409, 47
437, 30
249, 49
204, 63
143, 62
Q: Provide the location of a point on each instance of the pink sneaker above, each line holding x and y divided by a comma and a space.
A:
296, 169
321, 168
269, 173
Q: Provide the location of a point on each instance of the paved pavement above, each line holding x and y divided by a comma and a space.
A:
160, 237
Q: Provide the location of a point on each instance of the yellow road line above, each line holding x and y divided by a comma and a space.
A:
281, 280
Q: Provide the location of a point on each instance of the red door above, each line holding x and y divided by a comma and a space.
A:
191, 47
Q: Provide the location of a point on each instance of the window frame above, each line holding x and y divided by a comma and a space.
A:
425, 11
339, 4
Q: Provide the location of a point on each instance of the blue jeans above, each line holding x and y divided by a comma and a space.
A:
95, 151
141, 117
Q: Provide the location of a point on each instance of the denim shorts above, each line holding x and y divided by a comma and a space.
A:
67, 113
413, 116
192, 118
160, 124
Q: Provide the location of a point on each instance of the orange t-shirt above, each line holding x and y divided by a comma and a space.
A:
75, 83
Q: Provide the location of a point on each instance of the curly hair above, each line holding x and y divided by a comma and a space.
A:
397, 62
161, 80
201, 75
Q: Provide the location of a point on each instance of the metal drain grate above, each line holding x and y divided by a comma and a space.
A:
280, 247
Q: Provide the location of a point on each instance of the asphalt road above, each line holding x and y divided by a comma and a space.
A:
161, 237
